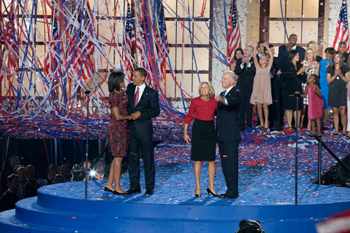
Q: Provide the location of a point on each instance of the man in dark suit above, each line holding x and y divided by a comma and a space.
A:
245, 69
283, 50
143, 106
228, 132
14, 161
10, 197
25, 190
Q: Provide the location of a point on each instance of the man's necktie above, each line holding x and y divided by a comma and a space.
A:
223, 94
136, 96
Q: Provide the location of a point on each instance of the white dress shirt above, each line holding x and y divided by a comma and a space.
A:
141, 89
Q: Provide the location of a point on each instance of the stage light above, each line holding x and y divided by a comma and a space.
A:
92, 173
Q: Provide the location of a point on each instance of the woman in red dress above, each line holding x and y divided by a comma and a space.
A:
203, 134
118, 130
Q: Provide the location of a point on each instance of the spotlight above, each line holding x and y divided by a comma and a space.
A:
92, 173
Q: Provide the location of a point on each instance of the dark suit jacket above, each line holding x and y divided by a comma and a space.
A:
227, 117
8, 201
246, 76
283, 54
149, 108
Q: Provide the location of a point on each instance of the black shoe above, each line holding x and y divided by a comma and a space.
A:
197, 195
210, 192
117, 193
108, 190
149, 192
130, 191
224, 196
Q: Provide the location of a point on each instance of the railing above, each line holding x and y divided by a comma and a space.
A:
320, 145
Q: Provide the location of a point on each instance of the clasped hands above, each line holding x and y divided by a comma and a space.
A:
134, 116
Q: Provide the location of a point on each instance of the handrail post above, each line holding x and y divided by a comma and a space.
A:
319, 162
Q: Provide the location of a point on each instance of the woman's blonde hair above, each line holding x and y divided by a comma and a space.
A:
316, 48
211, 89
313, 52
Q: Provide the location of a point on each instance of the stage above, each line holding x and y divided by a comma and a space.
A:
266, 192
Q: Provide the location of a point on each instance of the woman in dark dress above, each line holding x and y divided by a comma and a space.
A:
203, 134
293, 72
118, 130
337, 77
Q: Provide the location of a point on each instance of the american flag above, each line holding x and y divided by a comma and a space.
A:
233, 36
141, 43
10, 41
342, 32
129, 42
163, 39
85, 52
50, 62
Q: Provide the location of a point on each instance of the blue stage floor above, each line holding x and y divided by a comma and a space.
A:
266, 192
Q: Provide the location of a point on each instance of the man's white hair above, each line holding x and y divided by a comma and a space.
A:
233, 75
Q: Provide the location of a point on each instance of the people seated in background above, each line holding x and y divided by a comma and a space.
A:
249, 226
14, 161
10, 197
51, 171
66, 170
57, 179
31, 177
25, 190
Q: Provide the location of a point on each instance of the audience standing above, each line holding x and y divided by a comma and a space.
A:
337, 77
315, 105
245, 69
262, 86
324, 85
311, 67
292, 74
238, 55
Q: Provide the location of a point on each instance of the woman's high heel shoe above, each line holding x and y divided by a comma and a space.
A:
197, 195
210, 192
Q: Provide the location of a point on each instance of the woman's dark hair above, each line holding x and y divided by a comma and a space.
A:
238, 49
330, 50
290, 57
341, 62
114, 80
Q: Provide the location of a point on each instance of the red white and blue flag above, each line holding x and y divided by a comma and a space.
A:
233, 35
342, 32
129, 42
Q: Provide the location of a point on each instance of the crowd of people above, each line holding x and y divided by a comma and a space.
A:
320, 85
21, 182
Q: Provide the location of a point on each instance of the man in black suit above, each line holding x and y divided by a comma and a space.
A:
10, 197
283, 50
25, 190
245, 69
143, 106
228, 132
261, 50
14, 161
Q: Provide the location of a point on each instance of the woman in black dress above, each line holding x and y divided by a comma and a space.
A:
337, 77
293, 72
203, 134
118, 130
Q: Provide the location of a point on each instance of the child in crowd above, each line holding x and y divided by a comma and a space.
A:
262, 86
315, 106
